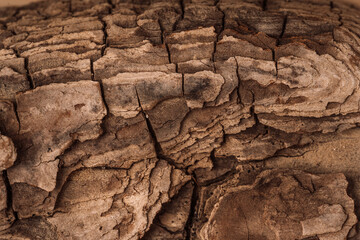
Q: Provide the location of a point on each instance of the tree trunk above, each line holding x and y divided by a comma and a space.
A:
198, 119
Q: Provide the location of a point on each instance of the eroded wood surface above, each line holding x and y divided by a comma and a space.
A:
171, 120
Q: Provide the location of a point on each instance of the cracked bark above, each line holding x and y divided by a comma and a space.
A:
116, 108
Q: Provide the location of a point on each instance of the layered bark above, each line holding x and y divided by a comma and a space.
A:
161, 119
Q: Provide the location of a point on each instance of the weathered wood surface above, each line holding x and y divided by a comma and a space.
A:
191, 119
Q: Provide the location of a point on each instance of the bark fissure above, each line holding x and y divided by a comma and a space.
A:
219, 31
338, 12
163, 41
26, 62
92, 72
192, 215
264, 5
106, 44
157, 145
28, 75
162, 32
70, 6
239, 82
103, 98
9, 200
283, 29
168, 52
182, 83
182, 5
17, 117
112, 6
253, 113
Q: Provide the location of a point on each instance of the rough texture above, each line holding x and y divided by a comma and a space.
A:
51, 118
6, 215
110, 204
171, 119
7, 153
291, 205
171, 221
12, 74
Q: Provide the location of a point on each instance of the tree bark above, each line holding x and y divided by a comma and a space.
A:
191, 119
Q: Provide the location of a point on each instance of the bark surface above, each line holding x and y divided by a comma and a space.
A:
191, 119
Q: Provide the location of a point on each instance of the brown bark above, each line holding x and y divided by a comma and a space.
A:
192, 119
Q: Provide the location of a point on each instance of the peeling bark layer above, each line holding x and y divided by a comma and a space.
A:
171, 120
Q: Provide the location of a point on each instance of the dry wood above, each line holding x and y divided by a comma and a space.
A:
191, 119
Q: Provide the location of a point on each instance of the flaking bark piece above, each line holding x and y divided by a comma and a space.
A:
52, 117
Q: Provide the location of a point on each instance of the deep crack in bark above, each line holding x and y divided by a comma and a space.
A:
194, 199
9, 200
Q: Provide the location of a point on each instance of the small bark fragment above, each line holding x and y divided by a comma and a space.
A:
8, 153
